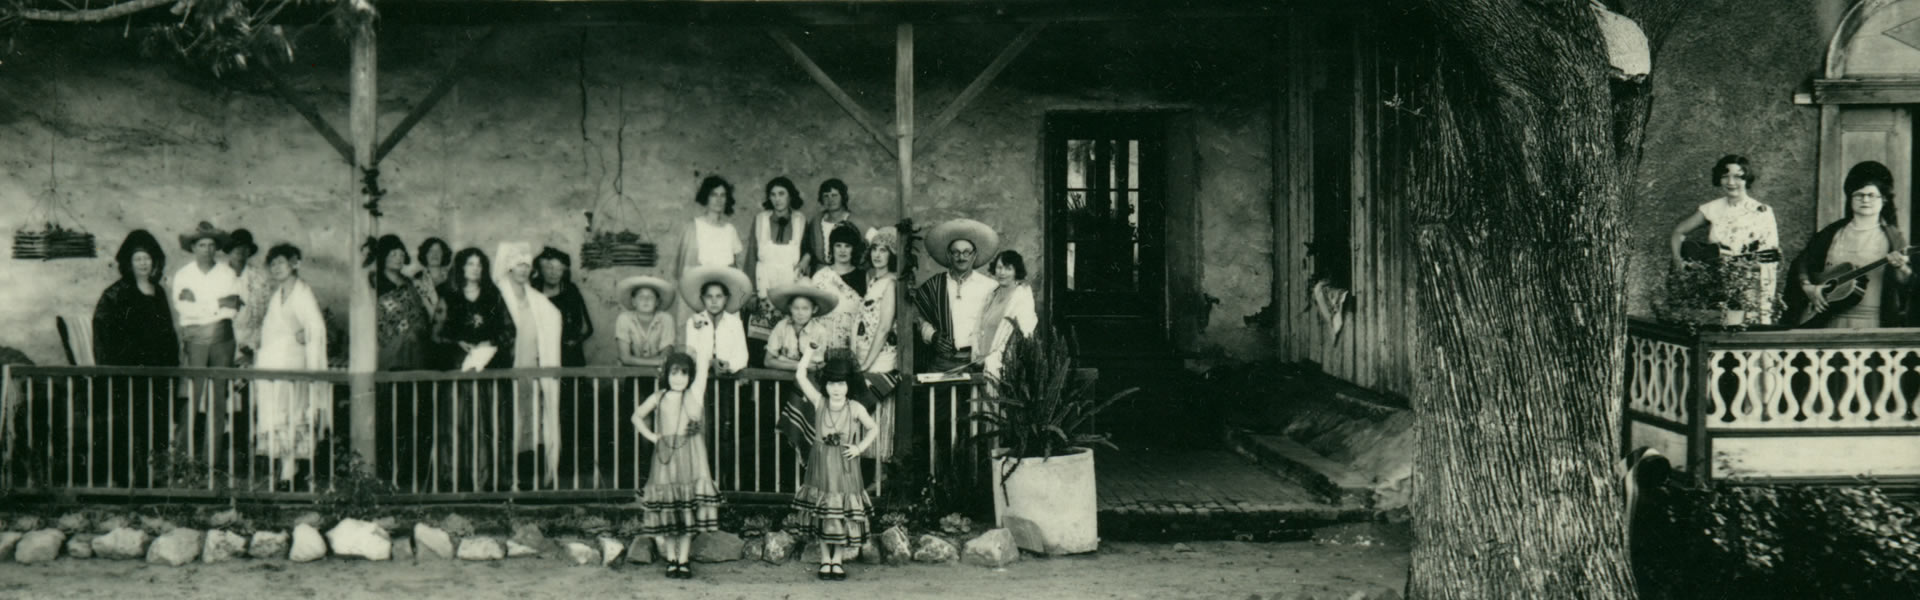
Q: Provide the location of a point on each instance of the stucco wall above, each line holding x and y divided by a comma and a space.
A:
143, 143
1724, 84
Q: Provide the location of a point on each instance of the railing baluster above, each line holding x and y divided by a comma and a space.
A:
596, 432
70, 431
779, 408
413, 441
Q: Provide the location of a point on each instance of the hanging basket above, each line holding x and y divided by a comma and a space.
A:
623, 249
52, 242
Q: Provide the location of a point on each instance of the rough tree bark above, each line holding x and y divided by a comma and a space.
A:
1518, 163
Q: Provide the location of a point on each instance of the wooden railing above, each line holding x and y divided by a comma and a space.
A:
1809, 405
439, 436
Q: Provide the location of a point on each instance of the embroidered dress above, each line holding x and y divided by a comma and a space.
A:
680, 496
845, 318
832, 501
1744, 230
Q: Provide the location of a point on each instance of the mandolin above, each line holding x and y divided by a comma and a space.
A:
1845, 285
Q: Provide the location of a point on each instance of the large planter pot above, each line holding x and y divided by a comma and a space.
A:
1048, 503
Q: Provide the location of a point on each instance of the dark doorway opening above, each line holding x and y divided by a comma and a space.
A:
1106, 232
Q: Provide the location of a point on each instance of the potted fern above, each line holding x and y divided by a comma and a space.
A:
1036, 418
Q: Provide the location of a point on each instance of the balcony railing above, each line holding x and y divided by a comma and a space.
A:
1800, 405
438, 436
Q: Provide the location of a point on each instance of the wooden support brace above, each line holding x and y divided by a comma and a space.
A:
980, 83
840, 96
306, 109
440, 89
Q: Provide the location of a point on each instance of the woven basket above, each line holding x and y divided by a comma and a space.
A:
623, 249
51, 243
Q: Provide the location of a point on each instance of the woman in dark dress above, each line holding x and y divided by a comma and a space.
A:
133, 326
581, 411
477, 321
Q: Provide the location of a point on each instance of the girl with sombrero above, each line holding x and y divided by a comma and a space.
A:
680, 498
804, 327
832, 501
644, 331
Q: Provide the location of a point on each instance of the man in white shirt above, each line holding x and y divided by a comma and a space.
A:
206, 298
951, 302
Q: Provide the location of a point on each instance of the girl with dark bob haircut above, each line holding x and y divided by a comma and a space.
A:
794, 201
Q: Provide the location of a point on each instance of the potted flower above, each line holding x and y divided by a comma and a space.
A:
1036, 419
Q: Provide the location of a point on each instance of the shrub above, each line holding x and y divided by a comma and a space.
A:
1736, 540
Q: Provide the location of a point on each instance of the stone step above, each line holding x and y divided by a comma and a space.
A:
1340, 485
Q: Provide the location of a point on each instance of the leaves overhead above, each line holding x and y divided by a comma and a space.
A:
222, 36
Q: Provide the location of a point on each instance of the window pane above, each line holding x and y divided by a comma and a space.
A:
1079, 154
1071, 284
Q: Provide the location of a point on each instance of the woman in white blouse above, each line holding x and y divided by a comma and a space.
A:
1010, 310
1742, 228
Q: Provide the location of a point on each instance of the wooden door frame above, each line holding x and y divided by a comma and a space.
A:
1155, 127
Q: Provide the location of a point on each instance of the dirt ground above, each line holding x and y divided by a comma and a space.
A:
1235, 570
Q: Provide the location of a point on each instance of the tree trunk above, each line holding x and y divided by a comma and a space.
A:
1516, 167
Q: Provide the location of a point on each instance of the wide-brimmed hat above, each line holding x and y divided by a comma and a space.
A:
823, 301
660, 288
205, 231
985, 241
240, 237
738, 286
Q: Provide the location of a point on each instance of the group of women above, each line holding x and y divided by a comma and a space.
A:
1867, 243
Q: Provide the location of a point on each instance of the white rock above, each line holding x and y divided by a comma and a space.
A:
582, 554
124, 543
895, 546
716, 546
779, 547
78, 546
935, 549
268, 544
223, 545
640, 551
480, 548
308, 545
9, 539
517, 550
39, 546
995, 548
177, 547
360, 539
610, 550
432, 541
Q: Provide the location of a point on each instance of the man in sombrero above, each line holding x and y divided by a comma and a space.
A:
950, 302
206, 296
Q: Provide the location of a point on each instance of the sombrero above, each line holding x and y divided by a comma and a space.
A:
660, 288
985, 241
823, 302
738, 286
205, 231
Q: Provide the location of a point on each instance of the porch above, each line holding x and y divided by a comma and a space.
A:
1800, 406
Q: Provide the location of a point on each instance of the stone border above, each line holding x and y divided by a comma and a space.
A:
231, 536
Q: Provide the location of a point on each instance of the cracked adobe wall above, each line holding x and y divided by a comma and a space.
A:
510, 154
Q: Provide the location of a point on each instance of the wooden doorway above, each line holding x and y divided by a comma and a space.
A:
1106, 232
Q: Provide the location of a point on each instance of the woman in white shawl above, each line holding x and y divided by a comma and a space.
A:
290, 415
536, 407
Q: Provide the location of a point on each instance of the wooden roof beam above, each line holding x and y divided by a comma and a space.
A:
440, 89
306, 109
980, 83
846, 102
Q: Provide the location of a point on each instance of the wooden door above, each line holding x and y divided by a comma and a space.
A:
1106, 231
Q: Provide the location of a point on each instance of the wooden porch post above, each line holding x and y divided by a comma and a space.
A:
362, 127
903, 309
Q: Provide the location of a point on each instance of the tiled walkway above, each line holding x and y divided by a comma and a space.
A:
1194, 482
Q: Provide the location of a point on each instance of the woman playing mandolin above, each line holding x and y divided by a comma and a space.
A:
1843, 256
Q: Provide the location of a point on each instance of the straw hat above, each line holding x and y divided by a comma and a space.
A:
738, 286
205, 231
660, 287
823, 302
985, 241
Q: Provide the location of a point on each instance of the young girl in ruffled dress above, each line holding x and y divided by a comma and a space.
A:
680, 498
832, 501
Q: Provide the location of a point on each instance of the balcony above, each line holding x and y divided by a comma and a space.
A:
1800, 406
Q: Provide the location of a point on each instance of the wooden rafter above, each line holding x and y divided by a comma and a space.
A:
306, 109
440, 89
847, 103
980, 83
